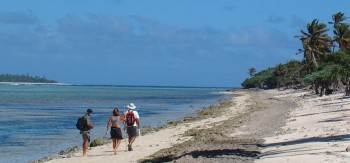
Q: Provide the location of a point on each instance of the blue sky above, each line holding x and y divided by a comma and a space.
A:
154, 42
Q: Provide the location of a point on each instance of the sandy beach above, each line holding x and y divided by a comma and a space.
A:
317, 130
256, 126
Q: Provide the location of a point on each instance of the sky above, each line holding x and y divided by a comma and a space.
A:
204, 43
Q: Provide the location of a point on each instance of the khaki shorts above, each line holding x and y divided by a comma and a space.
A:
86, 135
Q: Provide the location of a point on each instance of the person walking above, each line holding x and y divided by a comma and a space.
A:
116, 133
86, 132
131, 124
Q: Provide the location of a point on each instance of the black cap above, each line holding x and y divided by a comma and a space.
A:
89, 110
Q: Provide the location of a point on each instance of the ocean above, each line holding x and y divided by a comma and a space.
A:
39, 120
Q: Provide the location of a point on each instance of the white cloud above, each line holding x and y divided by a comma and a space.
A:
275, 19
297, 22
106, 43
258, 37
229, 8
106, 35
18, 18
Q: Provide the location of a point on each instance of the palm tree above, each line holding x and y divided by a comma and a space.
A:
341, 31
316, 42
338, 18
252, 71
339, 64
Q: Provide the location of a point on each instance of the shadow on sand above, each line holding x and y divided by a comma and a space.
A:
344, 137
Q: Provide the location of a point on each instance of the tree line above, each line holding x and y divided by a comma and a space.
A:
325, 66
24, 78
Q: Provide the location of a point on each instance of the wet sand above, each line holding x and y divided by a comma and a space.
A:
256, 126
236, 139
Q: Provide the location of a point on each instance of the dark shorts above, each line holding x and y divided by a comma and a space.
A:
86, 135
132, 131
116, 133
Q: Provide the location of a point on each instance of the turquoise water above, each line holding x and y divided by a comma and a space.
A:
38, 121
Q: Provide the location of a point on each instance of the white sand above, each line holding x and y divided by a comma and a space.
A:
317, 130
151, 143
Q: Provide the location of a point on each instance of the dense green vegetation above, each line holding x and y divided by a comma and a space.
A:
325, 66
24, 78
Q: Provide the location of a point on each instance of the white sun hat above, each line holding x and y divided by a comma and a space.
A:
131, 106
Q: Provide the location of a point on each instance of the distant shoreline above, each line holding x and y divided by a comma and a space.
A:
28, 83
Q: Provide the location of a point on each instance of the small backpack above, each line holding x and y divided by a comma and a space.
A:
82, 123
130, 118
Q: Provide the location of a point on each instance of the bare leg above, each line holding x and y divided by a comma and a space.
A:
85, 148
116, 146
86, 141
114, 143
131, 140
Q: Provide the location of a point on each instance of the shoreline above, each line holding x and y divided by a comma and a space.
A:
206, 118
62, 105
199, 115
260, 126
28, 83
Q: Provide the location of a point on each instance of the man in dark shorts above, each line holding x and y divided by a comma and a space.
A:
86, 134
132, 128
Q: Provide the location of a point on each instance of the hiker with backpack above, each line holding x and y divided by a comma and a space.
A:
116, 133
131, 124
84, 124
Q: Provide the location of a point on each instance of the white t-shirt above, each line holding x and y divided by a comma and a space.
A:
136, 114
